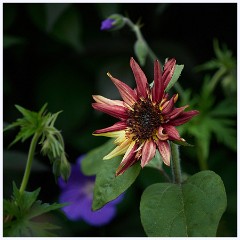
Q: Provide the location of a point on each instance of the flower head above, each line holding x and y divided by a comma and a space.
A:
78, 192
148, 117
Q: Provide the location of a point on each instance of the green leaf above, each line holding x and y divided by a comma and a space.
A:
9, 41
68, 28
176, 75
20, 213
108, 186
91, 163
39, 208
192, 209
53, 13
141, 51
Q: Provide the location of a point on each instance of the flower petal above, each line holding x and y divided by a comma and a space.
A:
127, 94
164, 150
101, 99
184, 117
113, 110
176, 112
161, 135
148, 152
115, 127
128, 159
169, 68
158, 87
172, 133
119, 150
140, 78
96, 218
168, 106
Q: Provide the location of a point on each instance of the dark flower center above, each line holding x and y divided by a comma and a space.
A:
144, 120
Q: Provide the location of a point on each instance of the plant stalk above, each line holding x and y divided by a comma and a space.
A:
29, 162
176, 167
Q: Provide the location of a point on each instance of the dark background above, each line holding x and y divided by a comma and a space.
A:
56, 53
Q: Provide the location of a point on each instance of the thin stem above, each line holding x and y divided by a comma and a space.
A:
176, 167
151, 53
29, 162
139, 36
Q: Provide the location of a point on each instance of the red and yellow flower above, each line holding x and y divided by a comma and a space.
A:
147, 117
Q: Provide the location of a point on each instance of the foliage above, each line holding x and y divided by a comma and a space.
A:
21, 213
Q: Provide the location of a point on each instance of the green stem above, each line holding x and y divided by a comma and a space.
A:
176, 168
216, 77
139, 36
151, 53
29, 162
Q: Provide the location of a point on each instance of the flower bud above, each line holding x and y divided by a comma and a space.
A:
113, 22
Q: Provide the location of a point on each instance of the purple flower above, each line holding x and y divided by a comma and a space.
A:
107, 24
78, 192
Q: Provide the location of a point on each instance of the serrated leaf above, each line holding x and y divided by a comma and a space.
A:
225, 108
38, 208
141, 51
176, 75
91, 163
108, 186
192, 209
19, 214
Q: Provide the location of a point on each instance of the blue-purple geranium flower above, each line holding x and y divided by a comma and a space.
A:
78, 192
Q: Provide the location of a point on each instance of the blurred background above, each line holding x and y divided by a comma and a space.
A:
56, 53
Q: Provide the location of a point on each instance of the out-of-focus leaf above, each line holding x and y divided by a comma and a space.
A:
192, 209
141, 51
9, 41
67, 28
9, 14
16, 160
53, 13
226, 108
37, 14
106, 10
91, 163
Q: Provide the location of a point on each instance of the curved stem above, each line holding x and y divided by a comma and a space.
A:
176, 167
139, 36
29, 162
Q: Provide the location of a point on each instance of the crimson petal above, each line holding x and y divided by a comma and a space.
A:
127, 94
115, 127
115, 111
148, 152
164, 150
172, 133
184, 117
169, 68
168, 107
140, 78
127, 162
176, 112
158, 87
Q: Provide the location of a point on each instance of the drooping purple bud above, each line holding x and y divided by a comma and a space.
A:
107, 24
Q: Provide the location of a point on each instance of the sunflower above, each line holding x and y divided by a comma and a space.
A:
147, 117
